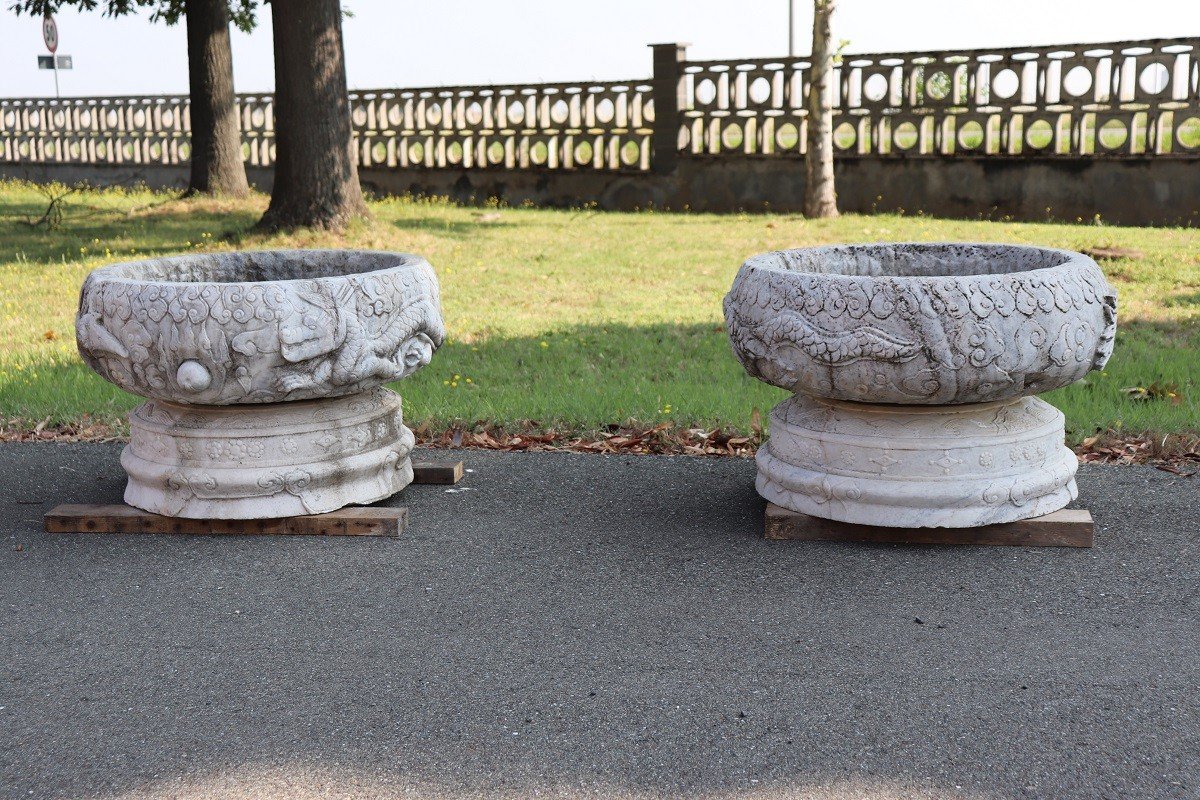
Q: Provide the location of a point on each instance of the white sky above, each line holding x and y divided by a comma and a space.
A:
399, 43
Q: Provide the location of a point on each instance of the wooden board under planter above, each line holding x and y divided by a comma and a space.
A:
1066, 528
349, 521
120, 518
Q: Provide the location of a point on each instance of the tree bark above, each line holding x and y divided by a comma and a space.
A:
217, 166
820, 196
316, 180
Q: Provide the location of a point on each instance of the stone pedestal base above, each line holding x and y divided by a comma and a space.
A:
917, 466
266, 461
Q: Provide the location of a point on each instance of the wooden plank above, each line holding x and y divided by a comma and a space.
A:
350, 521
439, 472
1065, 528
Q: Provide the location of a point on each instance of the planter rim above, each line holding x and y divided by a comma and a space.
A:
775, 260
124, 272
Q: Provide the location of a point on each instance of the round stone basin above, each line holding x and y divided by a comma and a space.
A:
918, 323
260, 326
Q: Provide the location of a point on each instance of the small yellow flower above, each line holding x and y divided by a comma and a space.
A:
545, 344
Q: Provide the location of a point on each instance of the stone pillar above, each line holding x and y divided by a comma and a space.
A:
669, 100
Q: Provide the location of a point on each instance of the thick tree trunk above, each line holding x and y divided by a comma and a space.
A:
820, 197
316, 181
217, 166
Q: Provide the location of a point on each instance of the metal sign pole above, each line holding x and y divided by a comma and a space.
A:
791, 28
56, 94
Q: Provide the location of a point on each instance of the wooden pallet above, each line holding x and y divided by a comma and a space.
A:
349, 521
1066, 528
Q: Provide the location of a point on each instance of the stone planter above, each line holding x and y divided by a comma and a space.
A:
913, 368
227, 345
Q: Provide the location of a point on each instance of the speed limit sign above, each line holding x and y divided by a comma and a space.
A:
50, 33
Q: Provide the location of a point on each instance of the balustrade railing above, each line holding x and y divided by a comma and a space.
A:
1092, 100
1116, 98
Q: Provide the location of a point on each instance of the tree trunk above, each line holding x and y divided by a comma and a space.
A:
820, 197
316, 181
217, 166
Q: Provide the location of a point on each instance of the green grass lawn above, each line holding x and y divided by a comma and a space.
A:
570, 319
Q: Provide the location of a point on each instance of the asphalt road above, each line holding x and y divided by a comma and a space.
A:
588, 626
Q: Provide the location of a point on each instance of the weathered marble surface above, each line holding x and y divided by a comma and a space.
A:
912, 367
921, 323
917, 466
266, 460
265, 372
260, 327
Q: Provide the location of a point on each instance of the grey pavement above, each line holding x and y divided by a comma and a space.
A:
590, 626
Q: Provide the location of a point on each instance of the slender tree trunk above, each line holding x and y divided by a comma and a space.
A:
316, 181
217, 166
820, 197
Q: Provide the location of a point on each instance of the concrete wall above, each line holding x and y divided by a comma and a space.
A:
1128, 191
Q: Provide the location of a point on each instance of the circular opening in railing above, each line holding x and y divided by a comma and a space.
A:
684, 138
760, 90
271, 152
583, 153
474, 114
359, 115
516, 113
706, 91
787, 137
168, 118
559, 112
139, 118
1154, 78
1039, 134
648, 111
732, 137
539, 153
102, 151
630, 153
185, 150
844, 136
35, 119
454, 153
73, 149
905, 135
85, 118
1187, 133
605, 110
416, 153
23, 148
379, 152
112, 118
937, 86
60, 119
395, 115
1005, 84
1112, 134
433, 114
10, 119
127, 149
495, 152
875, 87
245, 150
970, 135
1077, 81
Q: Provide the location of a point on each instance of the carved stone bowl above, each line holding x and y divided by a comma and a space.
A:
921, 323
911, 366
259, 327
265, 371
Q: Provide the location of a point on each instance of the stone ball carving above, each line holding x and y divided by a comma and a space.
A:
916, 323
260, 326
